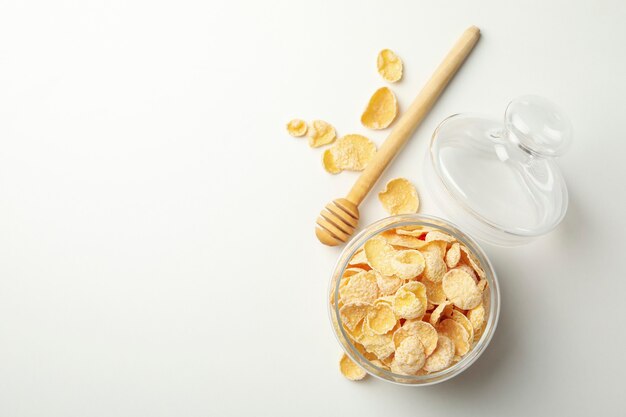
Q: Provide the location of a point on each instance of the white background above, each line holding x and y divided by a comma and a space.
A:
157, 254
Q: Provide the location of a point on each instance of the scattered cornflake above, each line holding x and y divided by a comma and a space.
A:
328, 160
349, 153
320, 133
389, 66
461, 289
399, 197
351, 370
381, 110
297, 127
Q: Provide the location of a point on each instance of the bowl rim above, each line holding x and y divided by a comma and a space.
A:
342, 263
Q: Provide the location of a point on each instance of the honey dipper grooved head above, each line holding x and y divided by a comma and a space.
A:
337, 222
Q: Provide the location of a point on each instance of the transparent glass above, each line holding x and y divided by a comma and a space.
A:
500, 180
342, 264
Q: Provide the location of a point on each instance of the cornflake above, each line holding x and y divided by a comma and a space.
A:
353, 313
380, 318
297, 127
350, 370
469, 270
476, 316
379, 255
418, 231
434, 292
381, 110
472, 260
362, 287
438, 236
461, 289
442, 356
463, 321
407, 264
438, 247
379, 345
349, 272
409, 356
423, 330
389, 66
399, 197
358, 258
435, 266
349, 153
320, 133
388, 285
402, 241
443, 309
453, 256
457, 333
406, 305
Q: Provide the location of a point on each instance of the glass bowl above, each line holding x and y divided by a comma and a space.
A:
335, 318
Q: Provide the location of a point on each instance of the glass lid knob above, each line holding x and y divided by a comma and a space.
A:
538, 126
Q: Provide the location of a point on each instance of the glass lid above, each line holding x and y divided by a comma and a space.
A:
499, 178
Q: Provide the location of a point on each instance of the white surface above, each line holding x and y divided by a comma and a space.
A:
157, 255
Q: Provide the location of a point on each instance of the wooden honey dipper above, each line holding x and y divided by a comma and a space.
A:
339, 218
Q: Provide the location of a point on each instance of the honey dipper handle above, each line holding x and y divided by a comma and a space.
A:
414, 114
